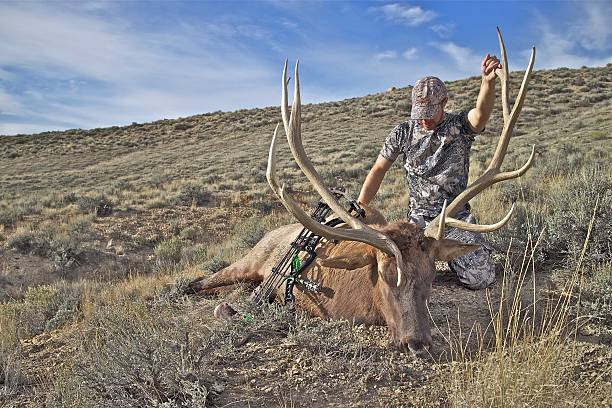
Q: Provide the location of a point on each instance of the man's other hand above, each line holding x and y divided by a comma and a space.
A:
489, 64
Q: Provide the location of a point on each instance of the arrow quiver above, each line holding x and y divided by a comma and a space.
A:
301, 253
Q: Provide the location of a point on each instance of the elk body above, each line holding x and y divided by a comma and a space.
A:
376, 273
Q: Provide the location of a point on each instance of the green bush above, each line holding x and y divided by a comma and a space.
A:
563, 217
11, 214
99, 205
200, 254
140, 356
194, 193
169, 251
215, 264
249, 232
28, 242
11, 372
47, 307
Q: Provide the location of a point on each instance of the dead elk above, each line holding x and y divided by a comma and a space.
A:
377, 273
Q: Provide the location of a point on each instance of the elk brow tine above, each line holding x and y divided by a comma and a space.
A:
442, 222
466, 226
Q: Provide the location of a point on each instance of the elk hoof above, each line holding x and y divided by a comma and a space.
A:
194, 286
224, 311
418, 348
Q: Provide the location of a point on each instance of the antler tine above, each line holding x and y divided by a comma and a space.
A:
271, 170
492, 174
504, 139
516, 173
361, 232
466, 226
284, 99
504, 76
442, 224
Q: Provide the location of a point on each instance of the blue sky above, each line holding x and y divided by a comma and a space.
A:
103, 63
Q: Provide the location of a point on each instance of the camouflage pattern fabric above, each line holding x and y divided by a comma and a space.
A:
436, 162
437, 166
475, 270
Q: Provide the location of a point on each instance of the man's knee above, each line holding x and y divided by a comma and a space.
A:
475, 270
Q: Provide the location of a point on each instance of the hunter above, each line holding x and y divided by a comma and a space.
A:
436, 156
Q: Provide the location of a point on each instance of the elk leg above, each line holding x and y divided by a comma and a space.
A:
237, 272
220, 290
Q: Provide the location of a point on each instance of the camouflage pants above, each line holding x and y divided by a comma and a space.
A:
475, 270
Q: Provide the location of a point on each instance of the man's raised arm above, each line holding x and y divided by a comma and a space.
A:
478, 116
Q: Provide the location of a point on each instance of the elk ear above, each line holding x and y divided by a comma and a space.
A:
357, 255
447, 249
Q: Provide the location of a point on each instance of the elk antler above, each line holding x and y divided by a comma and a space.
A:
360, 231
492, 175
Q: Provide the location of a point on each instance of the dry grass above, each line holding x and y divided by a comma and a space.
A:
534, 359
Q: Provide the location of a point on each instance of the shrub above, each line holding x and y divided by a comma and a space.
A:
99, 205
215, 264
523, 357
249, 232
190, 233
140, 356
27, 241
568, 218
11, 214
168, 252
193, 193
60, 243
47, 307
11, 372
200, 254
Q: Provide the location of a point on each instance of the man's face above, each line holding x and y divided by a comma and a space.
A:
431, 124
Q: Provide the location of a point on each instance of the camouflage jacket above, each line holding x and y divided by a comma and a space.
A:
436, 162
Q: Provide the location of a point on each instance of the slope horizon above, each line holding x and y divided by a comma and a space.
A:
248, 110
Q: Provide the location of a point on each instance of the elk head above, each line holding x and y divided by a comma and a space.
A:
403, 254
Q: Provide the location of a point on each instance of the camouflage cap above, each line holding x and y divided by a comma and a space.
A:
427, 95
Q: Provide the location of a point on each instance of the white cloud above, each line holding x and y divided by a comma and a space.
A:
404, 13
466, 59
443, 30
389, 54
410, 53
561, 48
8, 104
594, 30
100, 71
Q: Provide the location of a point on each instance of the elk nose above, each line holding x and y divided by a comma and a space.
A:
419, 348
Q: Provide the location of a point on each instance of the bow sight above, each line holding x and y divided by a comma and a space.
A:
301, 254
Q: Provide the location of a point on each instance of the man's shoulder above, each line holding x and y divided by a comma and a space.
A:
404, 127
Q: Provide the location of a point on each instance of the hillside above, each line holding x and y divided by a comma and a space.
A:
101, 229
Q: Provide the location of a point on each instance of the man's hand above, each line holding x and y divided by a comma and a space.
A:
487, 68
